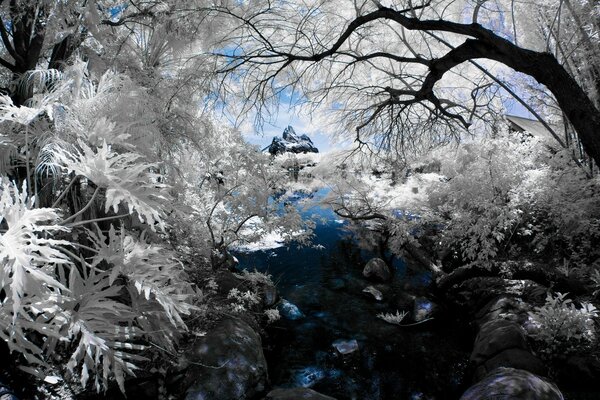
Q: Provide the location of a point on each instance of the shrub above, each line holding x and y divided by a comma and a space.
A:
561, 328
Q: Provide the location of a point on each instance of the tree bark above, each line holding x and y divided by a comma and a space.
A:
545, 68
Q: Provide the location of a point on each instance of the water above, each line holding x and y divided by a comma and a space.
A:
325, 283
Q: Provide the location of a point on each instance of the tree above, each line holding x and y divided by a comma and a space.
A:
386, 68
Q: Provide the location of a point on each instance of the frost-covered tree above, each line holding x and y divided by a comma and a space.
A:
398, 71
102, 111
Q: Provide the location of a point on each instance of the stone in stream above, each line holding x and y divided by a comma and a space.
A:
289, 310
377, 269
308, 376
374, 292
510, 383
226, 364
296, 394
345, 346
423, 309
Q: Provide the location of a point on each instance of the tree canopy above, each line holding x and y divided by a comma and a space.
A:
405, 72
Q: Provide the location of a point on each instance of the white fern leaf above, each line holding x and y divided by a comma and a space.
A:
27, 251
38, 80
127, 180
152, 270
101, 327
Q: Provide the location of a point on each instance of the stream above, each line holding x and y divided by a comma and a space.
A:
325, 283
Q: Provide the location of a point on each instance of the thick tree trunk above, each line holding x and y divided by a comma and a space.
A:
577, 106
545, 68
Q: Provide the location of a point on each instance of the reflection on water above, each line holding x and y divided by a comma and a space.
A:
325, 282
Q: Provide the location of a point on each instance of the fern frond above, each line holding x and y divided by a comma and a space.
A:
37, 81
102, 328
27, 251
152, 270
46, 162
126, 180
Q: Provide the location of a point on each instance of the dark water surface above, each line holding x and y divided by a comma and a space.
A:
325, 282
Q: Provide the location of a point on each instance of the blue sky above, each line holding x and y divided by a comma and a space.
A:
304, 124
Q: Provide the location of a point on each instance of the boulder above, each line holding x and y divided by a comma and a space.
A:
495, 337
512, 358
512, 384
296, 394
226, 364
473, 294
377, 269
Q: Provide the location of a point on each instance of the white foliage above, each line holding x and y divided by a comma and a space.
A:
27, 253
126, 180
28, 256
151, 269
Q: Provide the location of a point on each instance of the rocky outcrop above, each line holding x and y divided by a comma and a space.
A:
296, 394
377, 269
510, 383
290, 142
504, 366
502, 343
226, 364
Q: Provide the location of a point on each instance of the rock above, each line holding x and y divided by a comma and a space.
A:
423, 309
289, 310
512, 384
227, 364
291, 143
513, 358
308, 376
474, 293
296, 394
345, 346
374, 292
496, 336
377, 269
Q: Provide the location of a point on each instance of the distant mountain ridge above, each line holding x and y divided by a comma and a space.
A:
291, 142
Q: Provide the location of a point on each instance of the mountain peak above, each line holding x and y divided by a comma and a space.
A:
290, 142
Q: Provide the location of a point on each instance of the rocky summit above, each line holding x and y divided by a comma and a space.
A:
291, 142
